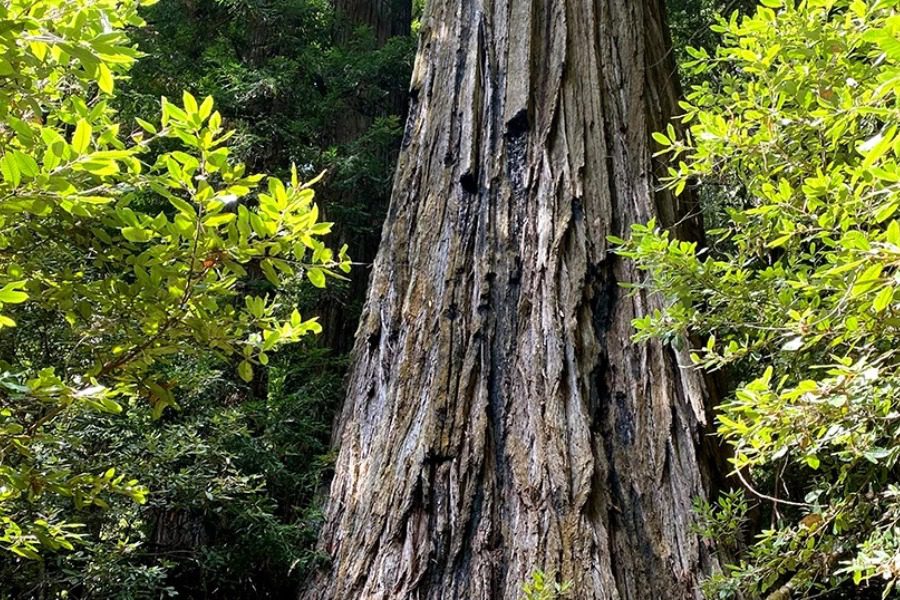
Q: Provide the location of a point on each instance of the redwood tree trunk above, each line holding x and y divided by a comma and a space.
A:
499, 419
387, 19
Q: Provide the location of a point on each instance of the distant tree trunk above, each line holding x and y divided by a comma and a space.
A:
499, 420
386, 19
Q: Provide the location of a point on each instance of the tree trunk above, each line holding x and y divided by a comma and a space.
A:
386, 19
499, 420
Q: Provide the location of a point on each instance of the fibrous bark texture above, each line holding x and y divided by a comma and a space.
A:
499, 420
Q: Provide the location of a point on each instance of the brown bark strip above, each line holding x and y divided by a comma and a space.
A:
499, 419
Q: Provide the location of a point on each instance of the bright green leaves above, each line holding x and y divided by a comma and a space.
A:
316, 277
274, 333
866, 280
105, 78
141, 248
136, 234
12, 293
884, 299
81, 138
79, 42
12, 176
876, 147
797, 130
662, 139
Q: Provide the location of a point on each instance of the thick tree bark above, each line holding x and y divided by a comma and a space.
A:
499, 419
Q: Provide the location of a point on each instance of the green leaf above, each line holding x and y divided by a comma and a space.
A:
146, 125
661, 139
11, 293
876, 147
206, 107
883, 299
886, 212
867, 280
136, 234
269, 271
245, 370
316, 277
183, 207
105, 78
10, 170
26, 164
190, 103
893, 233
81, 139
220, 219
100, 168
780, 241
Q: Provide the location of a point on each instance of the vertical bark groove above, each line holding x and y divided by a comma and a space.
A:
499, 419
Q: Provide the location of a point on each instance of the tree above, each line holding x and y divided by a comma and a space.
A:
373, 106
122, 256
387, 18
498, 419
797, 295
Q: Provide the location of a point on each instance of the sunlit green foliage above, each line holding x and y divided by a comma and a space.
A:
542, 586
287, 88
797, 292
123, 252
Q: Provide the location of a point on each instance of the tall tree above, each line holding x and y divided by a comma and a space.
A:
366, 117
387, 18
499, 419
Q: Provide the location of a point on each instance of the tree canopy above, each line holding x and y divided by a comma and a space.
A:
125, 252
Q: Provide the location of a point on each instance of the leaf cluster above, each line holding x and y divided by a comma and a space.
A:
122, 250
797, 291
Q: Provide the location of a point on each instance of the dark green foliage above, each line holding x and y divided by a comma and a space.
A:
690, 22
235, 482
279, 79
235, 475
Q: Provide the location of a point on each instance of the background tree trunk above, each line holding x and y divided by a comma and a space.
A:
499, 419
386, 19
